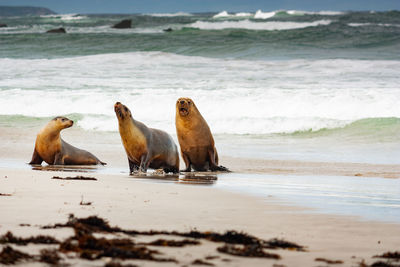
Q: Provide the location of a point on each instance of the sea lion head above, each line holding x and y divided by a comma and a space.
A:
185, 106
122, 111
62, 122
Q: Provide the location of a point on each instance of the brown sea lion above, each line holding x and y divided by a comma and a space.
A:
50, 147
145, 147
197, 143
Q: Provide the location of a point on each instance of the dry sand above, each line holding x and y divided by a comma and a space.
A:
146, 204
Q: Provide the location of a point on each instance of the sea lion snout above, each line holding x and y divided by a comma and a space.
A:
63, 122
121, 110
183, 106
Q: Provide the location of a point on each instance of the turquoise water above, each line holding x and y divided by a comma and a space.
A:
266, 36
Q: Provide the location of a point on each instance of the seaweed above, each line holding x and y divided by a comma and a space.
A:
91, 248
240, 238
11, 256
5, 195
9, 238
49, 256
90, 224
383, 264
79, 177
279, 243
172, 243
389, 255
230, 237
86, 246
378, 264
202, 262
95, 224
118, 264
247, 251
329, 261
82, 203
212, 257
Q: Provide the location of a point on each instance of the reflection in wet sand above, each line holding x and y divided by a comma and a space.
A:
195, 178
64, 168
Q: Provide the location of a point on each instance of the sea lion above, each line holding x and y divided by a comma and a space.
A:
197, 143
50, 147
145, 147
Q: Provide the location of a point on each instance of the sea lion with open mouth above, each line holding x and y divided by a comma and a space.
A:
197, 143
145, 147
52, 149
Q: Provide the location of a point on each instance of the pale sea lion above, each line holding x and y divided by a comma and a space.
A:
145, 147
197, 143
50, 147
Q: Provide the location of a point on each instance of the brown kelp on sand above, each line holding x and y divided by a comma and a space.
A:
85, 245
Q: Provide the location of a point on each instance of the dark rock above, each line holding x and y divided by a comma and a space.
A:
124, 24
59, 30
168, 30
3, 25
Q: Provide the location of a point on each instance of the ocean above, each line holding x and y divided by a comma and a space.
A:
308, 86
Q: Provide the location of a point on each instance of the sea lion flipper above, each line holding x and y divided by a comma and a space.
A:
59, 159
144, 162
132, 166
187, 162
213, 160
219, 168
36, 159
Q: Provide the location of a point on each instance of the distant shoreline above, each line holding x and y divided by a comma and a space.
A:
8, 11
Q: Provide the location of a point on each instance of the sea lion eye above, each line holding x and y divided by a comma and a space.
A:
63, 119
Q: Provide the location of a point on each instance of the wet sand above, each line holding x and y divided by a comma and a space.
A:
33, 198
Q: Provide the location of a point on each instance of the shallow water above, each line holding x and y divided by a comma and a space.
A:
366, 198
375, 199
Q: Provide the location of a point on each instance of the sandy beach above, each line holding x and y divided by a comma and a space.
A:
302, 102
32, 197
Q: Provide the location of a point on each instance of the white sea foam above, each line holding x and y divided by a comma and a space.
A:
264, 15
373, 24
42, 28
326, 13
243, 14
270, 14
65, 17
252, 25
225, 14
222, 14
234, 96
